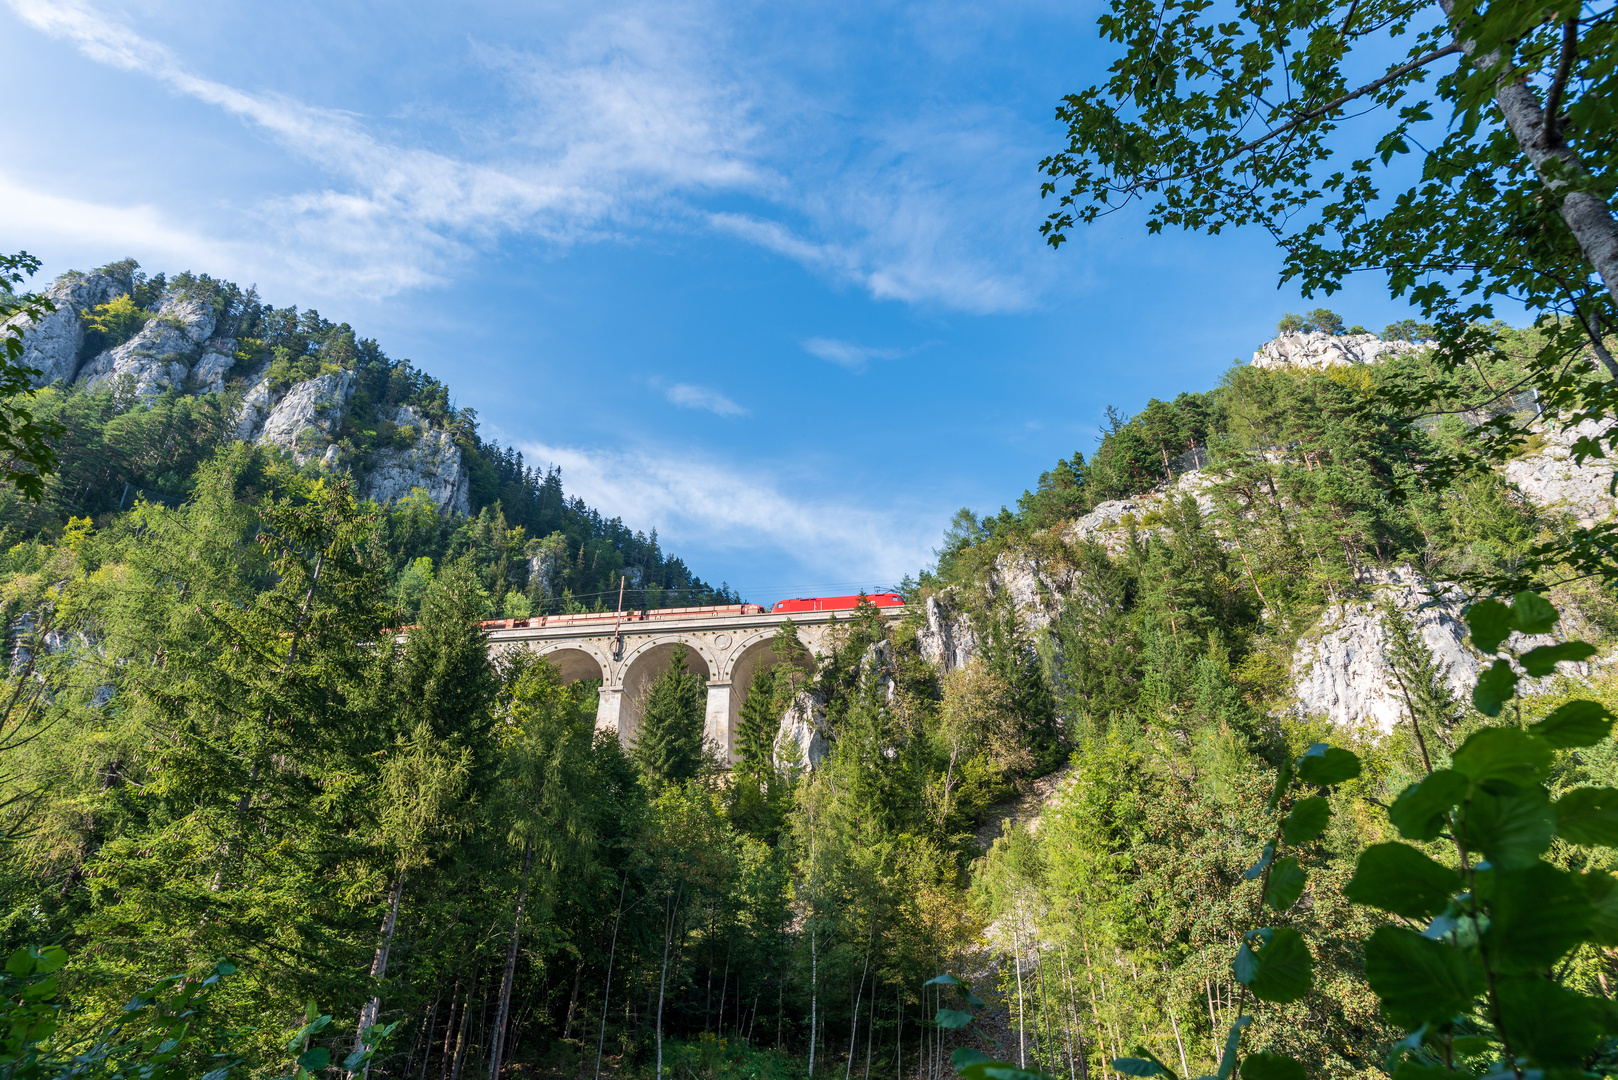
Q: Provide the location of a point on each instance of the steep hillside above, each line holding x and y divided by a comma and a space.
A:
151, 376
1291, 496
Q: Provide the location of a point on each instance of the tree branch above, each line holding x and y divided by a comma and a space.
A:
1331, 106
1551, 134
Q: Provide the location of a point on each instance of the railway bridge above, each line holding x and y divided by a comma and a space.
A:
628, 650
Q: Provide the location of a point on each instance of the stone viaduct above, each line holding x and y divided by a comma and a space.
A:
628, 650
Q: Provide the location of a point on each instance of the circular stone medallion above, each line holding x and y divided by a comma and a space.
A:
723, 640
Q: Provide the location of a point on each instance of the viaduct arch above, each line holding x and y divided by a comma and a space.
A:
726, 646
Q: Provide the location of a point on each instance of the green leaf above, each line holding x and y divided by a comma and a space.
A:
1420, 812
1543, 660
1502, 753
1396, 877
1589, 815
1535, 916
20, 963
966, 1056
1285, 885
1574, 724
1272, 1067
1512, 830
1490, 622
1410, 1069
1282, 970
1252, 872
1283, 780
1308, 820
1549, 1023
1233, 1038
1602, 890
1149, 1065
1419, 980
314, 1060
997, 1070
952, 1019
1532, 614
943, 980
1495, 687
1324, 765
51, 958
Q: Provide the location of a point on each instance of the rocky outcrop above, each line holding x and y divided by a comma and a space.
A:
1341, 667
254, 409
948, 641
432, 462
1550, 478
801, 738
211, 370
305, 420
1315, 351
161, 354
53, 344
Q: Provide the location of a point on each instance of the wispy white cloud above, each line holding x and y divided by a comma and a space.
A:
687, 396
849, 355
102, 231
699, 503
633, 117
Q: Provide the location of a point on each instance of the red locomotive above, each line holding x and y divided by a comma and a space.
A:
837, 603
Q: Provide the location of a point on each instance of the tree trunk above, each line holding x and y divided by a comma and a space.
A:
449, 1031
724, 984
1586, 214
870, 1032
432, 1029
612, 954
859, 996
1095, 1008
663, 982
379, 966
503, 1011
1022, 1042
573, 998
814, 990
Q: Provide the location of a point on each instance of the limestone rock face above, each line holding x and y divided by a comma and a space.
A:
1551, 479
432, 462
304, 421
210, 370
54, 342
254, 409
802, 731
1342, 668
1315, 351
160, 355
948, 641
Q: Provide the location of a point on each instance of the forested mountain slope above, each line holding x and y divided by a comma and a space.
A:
222, 761
210, 364
1231, 577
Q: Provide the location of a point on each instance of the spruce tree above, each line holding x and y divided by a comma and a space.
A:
669, 747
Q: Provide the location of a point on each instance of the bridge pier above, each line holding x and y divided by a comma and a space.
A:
608, 709
716, 721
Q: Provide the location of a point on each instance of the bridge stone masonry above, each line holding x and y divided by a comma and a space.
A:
627, 651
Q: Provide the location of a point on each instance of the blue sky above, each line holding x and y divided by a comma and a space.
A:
766, 278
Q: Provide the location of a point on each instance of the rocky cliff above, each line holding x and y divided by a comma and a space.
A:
1340, 665
177, 350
